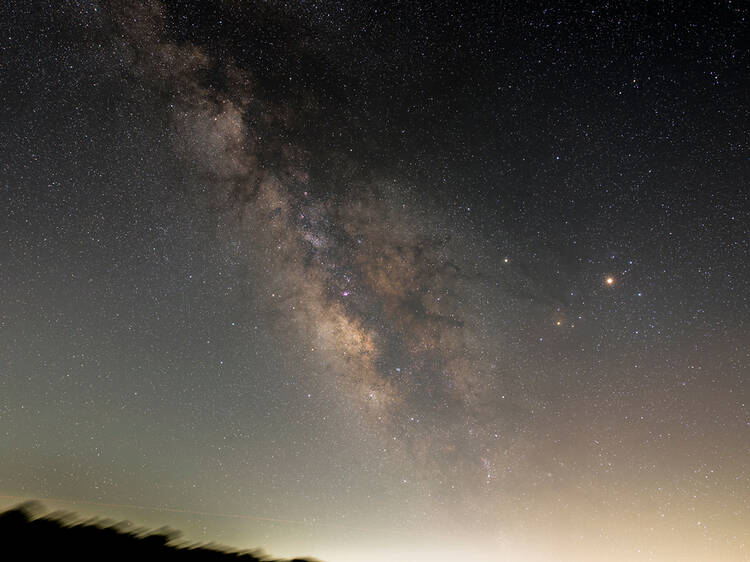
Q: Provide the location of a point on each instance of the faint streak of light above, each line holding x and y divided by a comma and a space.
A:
206, 513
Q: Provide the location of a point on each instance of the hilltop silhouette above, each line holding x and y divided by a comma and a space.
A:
25, 535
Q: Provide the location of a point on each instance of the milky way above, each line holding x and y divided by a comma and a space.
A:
373, 283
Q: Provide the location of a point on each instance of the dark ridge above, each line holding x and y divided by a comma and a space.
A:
26, 535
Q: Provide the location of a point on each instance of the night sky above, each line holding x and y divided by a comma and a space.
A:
367, 281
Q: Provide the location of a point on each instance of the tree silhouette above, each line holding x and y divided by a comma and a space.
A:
27, 535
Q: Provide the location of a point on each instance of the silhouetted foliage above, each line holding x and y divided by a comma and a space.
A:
27, 535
